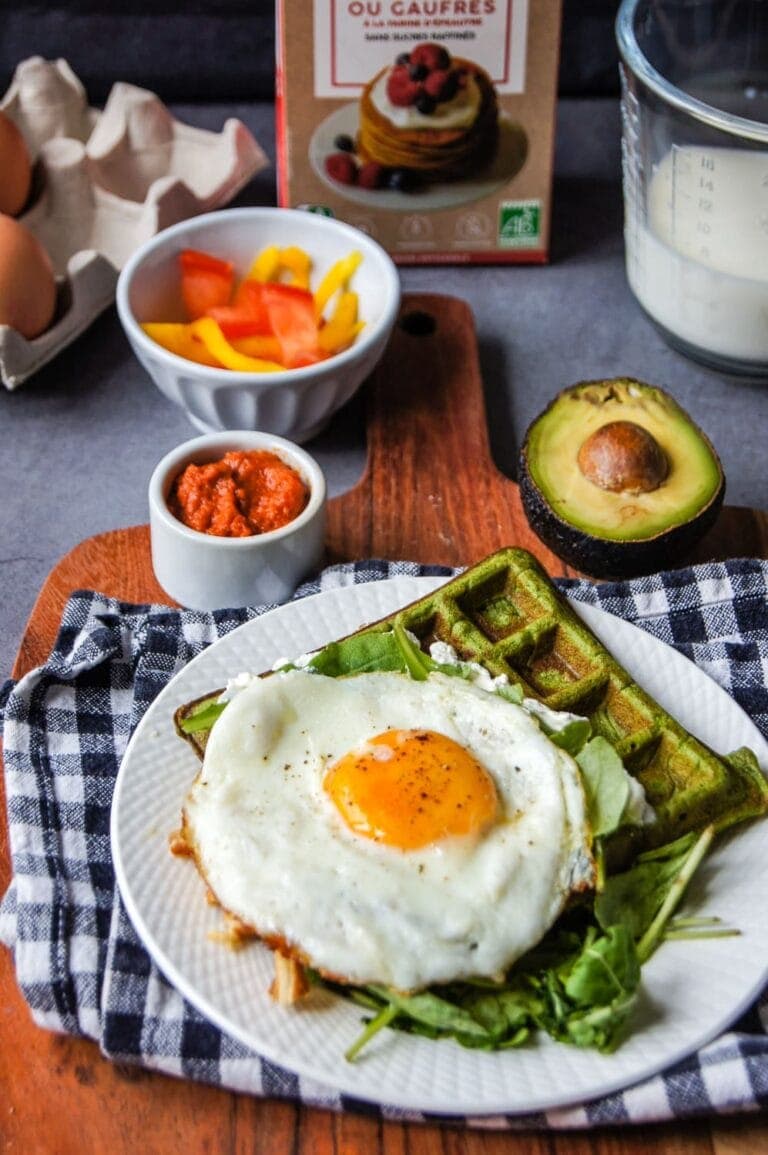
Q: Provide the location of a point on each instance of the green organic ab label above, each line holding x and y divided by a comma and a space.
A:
520, 224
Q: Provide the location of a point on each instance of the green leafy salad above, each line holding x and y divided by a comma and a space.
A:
580, 983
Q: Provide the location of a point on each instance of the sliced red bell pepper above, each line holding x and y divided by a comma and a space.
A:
291, 312
247, 316
206, 282
197, 259
236, 322
249, 295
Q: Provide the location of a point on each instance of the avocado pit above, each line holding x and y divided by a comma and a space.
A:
623, 457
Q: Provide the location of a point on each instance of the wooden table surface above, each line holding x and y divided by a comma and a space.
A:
430, 493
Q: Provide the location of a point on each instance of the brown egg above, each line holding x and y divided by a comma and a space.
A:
27, 284
15, 167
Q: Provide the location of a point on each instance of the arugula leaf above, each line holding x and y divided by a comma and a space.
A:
578, 988
382, 1019
417, 663
423, 1013
644, 897
598, 1027
572, 737
512, 694
633, 897
590, 995
606, 969
655, 932
202, 716
508, 1013
358, 654
432, 1011
420, 664
605, 784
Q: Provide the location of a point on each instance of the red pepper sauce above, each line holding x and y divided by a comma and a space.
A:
243, 494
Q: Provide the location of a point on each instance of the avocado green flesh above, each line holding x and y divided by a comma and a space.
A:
693, 481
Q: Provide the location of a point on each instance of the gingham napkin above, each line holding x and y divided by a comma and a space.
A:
78, 961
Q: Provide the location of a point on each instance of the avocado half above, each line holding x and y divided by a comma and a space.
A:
617, 479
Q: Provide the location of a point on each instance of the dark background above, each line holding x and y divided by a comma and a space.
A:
225, 51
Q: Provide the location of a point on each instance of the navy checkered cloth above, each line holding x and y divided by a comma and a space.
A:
79, 963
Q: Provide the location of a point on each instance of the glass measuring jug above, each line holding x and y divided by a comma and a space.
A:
694, 77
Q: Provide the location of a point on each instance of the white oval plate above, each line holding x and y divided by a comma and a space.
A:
692, 991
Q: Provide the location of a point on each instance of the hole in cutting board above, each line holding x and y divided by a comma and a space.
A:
418, 323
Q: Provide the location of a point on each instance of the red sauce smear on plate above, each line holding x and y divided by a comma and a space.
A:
242, 494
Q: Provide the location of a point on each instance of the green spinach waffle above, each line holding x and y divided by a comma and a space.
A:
505, 614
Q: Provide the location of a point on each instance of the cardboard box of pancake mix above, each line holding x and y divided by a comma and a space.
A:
428, 124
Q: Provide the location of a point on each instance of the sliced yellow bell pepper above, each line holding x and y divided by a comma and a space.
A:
297, 262
336, 340
216, 343
273, 337
336, 278
180, 339
343, 326
257, 346
345, 312
266, 265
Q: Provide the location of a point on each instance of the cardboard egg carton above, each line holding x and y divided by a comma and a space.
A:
104, 183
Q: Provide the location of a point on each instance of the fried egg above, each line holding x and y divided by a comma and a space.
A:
388, 830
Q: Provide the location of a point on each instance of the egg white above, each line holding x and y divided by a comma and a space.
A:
277, 854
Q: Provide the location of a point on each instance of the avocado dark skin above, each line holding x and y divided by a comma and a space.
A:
618, 480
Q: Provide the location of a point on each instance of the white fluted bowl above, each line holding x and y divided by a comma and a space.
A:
296, 403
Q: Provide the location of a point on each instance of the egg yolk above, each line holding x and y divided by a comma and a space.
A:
408, 788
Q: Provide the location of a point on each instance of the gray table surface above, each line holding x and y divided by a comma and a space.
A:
93, 417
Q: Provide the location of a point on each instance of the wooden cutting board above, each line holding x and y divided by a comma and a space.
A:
430, 493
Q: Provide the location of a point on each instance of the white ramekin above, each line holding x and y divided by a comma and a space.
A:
205, 572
